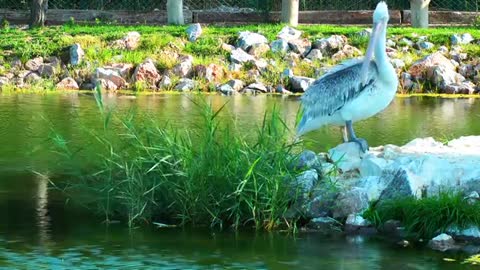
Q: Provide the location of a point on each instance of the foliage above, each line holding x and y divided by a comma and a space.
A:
206, 176
427, 216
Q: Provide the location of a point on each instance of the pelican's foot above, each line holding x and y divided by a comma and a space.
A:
362, 143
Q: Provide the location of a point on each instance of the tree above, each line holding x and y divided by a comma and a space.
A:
38, 12
419, 9
175, 12
290, 12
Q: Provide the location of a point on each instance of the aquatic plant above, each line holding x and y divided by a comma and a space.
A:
426, 217
209, 175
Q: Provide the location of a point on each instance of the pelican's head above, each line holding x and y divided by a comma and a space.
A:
380, 15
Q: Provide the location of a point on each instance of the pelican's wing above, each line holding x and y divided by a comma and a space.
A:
333, 90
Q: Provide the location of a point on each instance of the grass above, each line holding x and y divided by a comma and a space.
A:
427, 217
207, 176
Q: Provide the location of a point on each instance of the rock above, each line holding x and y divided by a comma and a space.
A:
227, 47
347, 156
68, 84
406, 81
165, 82
365, 33
461, 39
112, 75
281, 90
34, 64
473, 197
212, 72
288, 33
300, 46
185, 85
255, 88
261, 64
32, 77
467, 70
300, 84
325, 225
346, 52
125, 70
253, 74
420, 68
258, 50
391, 43
46, 71
308, 160
406, 42
323, 202
106, 85
443, 49
458, 57
329, 46
184, 69
247, 39
315, 54
147, 72
237, 85
54, 61
372, 166
194, 31
357, 224
305, 182
4, 81
351, 201
287, 73
76, 54
397, 63
466, 88
130, 41
425, 45
226, 89
442, 242
280, 46
442, 76
235, 67
240, 57
471, 233
16, 64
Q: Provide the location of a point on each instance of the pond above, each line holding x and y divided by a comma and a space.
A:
40, 230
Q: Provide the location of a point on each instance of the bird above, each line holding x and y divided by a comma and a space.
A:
353, 90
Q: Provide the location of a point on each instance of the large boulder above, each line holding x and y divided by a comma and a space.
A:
352, 201
68, 84
211, 73
246, 39
442, 242
147, 73
34, 64
184, 69
110, 75
442, 76
420, 68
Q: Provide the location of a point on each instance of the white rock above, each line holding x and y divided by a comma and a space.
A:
239, 56
442, 242
300, 84
470, 233
357, 220
288, 33
347, 156
185, 85
194, 31
247, 39
461, 39
280, 45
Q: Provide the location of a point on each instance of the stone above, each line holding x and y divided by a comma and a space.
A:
346, 52
306, 181
471, 233
68, 84
125, 70
147, 72
300, 84
458, 57
16, 64
165, 82
347, 156
185, 85
4, 81
227, 47
255, 88
325, 225
442, 76
211, 73
110, 75
130, 41
391, 43
372, 166
76, 54
287, 73
246, 39
420, 68
308, 160
261, 64
425, 45
46, 71
34, 64
280, 46
443, 49
235, 67
461, 39
442, 242
106, 85
239, 56
365, 33
397, 63
300, 46
322, 202
288, 33
473, 197
237, 85
329, 46
351, 201
194, 31
406, 42
32, 77
184, 69
315, 54
226, 89
357, 224
467, 88
467, 70
258, 50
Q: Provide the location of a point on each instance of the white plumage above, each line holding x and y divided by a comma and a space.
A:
354, 90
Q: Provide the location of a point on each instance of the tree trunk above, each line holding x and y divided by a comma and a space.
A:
175, 12
290, 11
38, 12
419, 9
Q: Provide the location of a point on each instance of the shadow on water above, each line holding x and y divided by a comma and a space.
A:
40, 230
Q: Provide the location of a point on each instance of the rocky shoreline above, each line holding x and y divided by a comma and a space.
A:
248, 60
337, 187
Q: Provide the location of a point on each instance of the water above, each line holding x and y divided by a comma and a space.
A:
39, 230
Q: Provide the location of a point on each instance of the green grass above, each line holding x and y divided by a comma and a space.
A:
206, 176
427, 216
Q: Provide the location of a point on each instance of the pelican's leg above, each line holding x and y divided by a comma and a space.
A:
353, 138
345, 134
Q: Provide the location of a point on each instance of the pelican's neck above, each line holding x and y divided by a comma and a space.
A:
380, 48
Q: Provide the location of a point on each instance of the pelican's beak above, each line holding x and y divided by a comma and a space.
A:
370, 50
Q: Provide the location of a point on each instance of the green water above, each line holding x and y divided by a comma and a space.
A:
40, 230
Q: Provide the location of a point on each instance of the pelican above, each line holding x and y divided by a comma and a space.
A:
354, 90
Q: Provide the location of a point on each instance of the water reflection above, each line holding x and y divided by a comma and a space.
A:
43, 218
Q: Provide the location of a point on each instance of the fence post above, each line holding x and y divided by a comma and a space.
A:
290, 11
419, 9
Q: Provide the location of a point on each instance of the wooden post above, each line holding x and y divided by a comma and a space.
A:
419, 9
175, 12
38, 10
290, 12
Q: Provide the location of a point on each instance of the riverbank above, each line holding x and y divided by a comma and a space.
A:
264, 59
